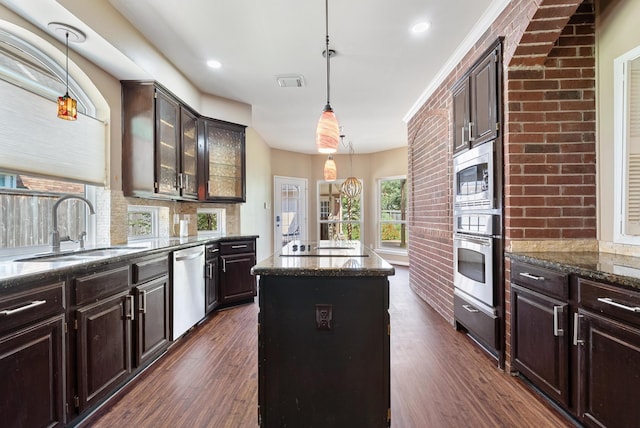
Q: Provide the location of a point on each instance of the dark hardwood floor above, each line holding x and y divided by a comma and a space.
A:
439, 378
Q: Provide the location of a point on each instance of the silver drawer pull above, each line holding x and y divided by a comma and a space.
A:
33, 304
534, 277
214, 250
610, 301
470, 308
239, 246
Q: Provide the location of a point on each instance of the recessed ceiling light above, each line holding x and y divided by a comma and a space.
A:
214, 64
420, 27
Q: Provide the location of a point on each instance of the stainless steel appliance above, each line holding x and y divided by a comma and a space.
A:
188, 289
474, 179
474, 257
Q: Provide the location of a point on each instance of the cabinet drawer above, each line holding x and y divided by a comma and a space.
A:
212, 251
19, 309
102, 284
540, 279
610, 300
481, 324
237, 247
149, 269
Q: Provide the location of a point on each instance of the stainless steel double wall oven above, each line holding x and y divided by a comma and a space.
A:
477, 243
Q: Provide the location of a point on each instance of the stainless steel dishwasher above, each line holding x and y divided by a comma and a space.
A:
188, 289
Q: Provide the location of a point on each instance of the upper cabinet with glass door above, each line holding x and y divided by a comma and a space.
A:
159, 144
223, 165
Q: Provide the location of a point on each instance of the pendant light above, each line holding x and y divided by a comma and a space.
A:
330, 171
351, 187
328, 130
67, 106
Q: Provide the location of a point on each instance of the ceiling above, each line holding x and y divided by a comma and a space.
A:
382, 72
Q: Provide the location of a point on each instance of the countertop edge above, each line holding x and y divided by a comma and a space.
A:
612, 268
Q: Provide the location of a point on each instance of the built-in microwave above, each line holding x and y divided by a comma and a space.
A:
474, 178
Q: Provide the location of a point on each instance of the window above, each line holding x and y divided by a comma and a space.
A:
211, 221
627, 147
35, 147
392, 214
143, 222
339, 217
26, 204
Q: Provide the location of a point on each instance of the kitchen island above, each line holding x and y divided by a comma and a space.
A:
324, 336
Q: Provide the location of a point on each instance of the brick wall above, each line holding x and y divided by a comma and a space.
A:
549, 143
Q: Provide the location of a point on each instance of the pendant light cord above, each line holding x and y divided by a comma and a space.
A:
327, 53
67, 63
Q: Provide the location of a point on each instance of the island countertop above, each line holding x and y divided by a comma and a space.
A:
324, 258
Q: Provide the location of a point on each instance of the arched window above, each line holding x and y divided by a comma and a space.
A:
26, 66
41, 156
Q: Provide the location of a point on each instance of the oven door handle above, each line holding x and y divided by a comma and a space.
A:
474, 239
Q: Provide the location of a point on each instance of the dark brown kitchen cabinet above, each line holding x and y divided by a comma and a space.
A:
476, 102
223, 161
212, 283
152, 306
31, 357
236, 260
103, 347
608, 343
540, 329
159, 143
104, 310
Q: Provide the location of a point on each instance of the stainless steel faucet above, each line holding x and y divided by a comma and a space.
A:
55, 235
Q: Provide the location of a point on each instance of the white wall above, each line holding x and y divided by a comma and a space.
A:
616, 33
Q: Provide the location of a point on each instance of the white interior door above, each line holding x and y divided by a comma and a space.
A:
289, 210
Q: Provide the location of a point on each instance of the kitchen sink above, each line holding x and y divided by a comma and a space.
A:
80, 255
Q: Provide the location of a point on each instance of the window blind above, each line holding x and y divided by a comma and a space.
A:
34, 141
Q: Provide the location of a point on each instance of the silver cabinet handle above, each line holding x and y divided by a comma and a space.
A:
130, 312
576, 322
470, 308
214, 250
610, 301
143, 301
534, 277
224, 265
557, 331
210, 271
33, 304
471, 139
463, 140
239, 246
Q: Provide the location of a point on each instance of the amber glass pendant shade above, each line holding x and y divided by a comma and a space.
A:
328, 132
67, 108
330, 171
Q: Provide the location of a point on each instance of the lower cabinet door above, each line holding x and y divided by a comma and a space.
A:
540, 341
236, 281
103, 347
31, 376
609, 358
212, 286
152, 321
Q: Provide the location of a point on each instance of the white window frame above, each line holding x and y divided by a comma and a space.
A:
360, 222
155, 221
379, 222
222, 222
620, 114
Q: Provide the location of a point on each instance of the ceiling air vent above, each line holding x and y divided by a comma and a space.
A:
290, 81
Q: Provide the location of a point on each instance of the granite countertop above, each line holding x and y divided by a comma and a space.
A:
14, 272
324, 258
613, 268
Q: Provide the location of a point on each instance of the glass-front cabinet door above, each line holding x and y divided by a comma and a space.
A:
167, 144
224, 161
188, 178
